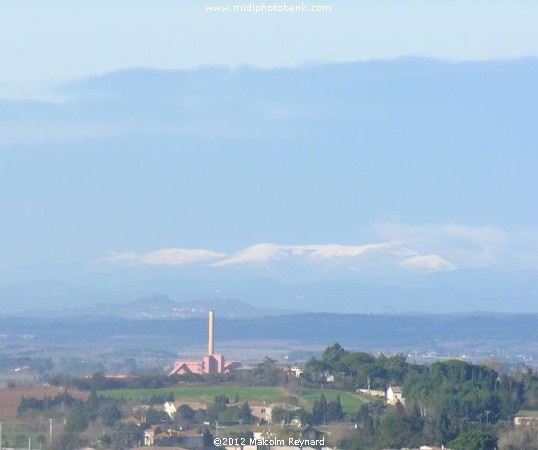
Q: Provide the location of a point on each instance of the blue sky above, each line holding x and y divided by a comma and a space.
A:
46, 42
439, 155
436, 155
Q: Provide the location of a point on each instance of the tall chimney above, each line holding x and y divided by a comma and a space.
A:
211, 338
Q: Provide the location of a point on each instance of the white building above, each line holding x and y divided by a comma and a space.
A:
395, 395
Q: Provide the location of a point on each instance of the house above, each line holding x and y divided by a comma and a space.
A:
133, 420
291, 416
526, 419
150, 433
427, 447
297, 371
171, 408
262, 412
329, 377
395, 395
156, 435
185, 439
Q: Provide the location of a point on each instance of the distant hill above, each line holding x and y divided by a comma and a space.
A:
162, 307
461, 291
506, 337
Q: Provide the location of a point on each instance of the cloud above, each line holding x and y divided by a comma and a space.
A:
430, 263
26, 91
480, 236
164, 257
466, 246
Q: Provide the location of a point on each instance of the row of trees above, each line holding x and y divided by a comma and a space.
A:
222, 411
324, 411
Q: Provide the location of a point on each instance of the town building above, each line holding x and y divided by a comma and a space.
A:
171, 408
526, 419
210, 363
395, 395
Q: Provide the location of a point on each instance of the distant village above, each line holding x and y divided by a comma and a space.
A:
343, 400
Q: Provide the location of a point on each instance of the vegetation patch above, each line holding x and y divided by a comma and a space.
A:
350, 402
203, 394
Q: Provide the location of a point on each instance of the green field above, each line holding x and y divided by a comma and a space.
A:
350, 402
10, 437
206, 394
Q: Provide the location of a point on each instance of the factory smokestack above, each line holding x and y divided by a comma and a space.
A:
211, 337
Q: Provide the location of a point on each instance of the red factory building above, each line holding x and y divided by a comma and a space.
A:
210, 363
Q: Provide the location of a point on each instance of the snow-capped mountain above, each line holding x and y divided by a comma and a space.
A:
387, 256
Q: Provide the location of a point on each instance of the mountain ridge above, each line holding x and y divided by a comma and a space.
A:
163, 307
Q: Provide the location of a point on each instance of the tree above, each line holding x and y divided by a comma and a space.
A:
154, 416
368, 370
279, 415
334, 410
351, 363
267, 372
474, 440
110, 414
319, 410
93, 403
399, 430
125, 435
185, 412
245, 414
315, 366
221, 400
208, 439
77, 421
68, 441
334, 353
368, 428
395, 368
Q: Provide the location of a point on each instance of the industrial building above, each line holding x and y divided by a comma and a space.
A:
210, 363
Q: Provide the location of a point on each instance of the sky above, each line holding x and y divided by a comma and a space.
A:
408, 124
42, 43
437, 155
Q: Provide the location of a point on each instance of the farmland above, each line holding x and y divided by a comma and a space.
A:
11, 398
206, 394
350, 402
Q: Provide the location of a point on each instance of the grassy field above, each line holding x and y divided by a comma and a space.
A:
206, 394
11, 437
350, 402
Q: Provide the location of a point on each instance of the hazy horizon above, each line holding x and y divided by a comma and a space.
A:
379, 150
